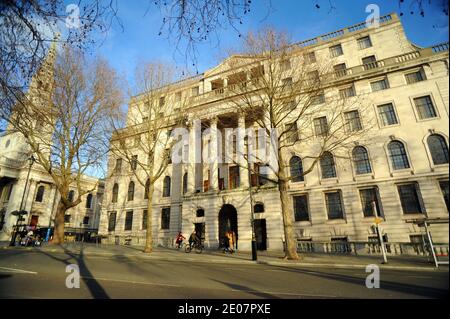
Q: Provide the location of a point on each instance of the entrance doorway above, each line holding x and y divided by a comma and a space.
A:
227, 222
200, 230
260, 234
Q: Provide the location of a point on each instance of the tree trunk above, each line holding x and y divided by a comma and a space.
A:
286, 212
149, 234
58, 232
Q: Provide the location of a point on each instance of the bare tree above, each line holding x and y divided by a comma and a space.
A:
63, 119
290, 93
28, 28
147, 141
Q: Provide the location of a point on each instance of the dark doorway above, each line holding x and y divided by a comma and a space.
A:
227, 222
200, 229
261, 234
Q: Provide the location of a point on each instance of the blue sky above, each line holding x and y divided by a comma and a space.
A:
139, 40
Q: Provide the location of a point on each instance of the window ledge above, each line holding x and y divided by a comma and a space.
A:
336, 221
402, 172
329, 180
304, 223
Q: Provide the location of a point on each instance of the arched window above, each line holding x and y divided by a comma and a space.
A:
40, 194
166, 186
146, 189
296, 166
327, 165
89, 201
115, 193
361, 160
71, 196
438, 149
185, 183
200, 212
398, 156
258, 208
130, 191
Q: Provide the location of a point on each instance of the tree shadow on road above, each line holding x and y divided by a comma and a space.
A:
246, 289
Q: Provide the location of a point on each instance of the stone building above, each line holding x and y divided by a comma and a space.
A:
404, 168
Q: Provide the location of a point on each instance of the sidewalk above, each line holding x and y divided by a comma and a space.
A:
241, 257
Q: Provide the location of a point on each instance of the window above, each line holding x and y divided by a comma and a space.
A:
71, 196
86, 220
347, 92
287, 81
340, 70
162, 101
185, 183
369, 62
133, 162
352, 121
166, 186
285, 65
387, 114
258, 208
129, 220
321, 126
112, 221
425, 107
409, 197
310, 57
200, 212
336, 50
313, 76
361, 160
368, 196
144, 219
438, 149
234, 177
118, 167
257, 72
380, 85
296, 166
178, 97
130, 191
414, 77
292, 132
327, 165
444, 189
301, 208
67, 218
165, 218
318, 99
364, 43
195, 91
334, 205
146, 188
398, 156
40, 194
115, 193
89, 201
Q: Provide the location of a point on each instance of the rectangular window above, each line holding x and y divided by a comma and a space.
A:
313, 76
144, 219
165, 218
444, 189
380, 85
347, 92
352, 121
321, 126
195, 91
178, 97
67, 218
409, 198
368, 196
234, 177
133, 163
425, 107
310, 57
301, 208
318, 99
118, 167
287, 82
285, 65
334, 205
387, 114
336, 50
292, 132
112, 221
340, 70
364, 43
414, 77
129, 220
86, 220
369, 62
162, 101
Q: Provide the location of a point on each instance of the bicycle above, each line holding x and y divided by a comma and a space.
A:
198, 247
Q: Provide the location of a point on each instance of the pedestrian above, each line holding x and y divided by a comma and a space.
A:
226, 243
234, 240
230, 242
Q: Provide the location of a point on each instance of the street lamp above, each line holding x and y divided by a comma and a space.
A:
252, 217
21, 211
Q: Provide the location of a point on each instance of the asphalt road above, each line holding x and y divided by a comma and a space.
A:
38, 274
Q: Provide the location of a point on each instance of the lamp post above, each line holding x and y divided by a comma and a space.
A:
21, 211
252, 217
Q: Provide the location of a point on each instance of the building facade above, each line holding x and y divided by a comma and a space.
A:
404, 168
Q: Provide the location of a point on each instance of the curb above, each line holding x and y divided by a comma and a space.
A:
240, 262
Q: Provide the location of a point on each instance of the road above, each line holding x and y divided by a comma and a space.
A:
39, 274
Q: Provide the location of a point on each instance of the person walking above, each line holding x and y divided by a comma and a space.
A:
230, 242
226, 243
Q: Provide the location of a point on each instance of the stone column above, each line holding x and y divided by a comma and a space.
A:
214, 160
241, 150
194, 146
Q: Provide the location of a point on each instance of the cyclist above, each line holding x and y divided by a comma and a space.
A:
179, 239
194, 239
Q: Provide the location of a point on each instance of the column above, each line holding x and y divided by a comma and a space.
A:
214, 156
194, 140
241, 150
